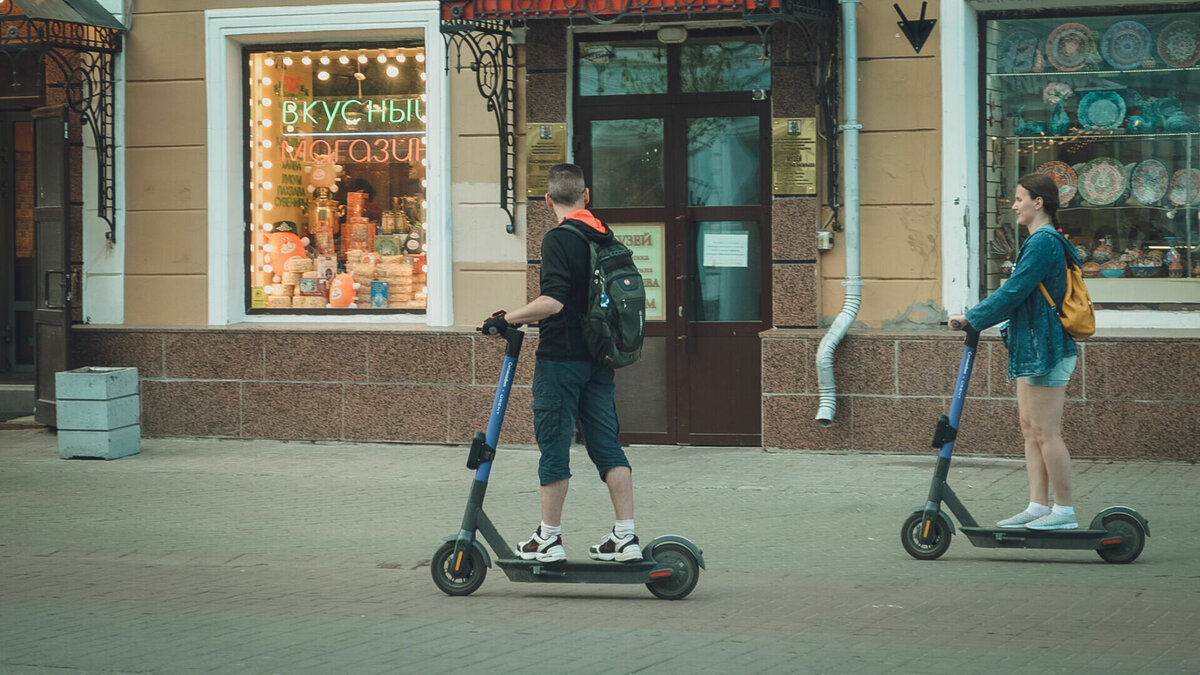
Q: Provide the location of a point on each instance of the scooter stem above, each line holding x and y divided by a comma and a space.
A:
960, 387
512, 352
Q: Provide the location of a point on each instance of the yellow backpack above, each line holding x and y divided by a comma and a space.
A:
1076, 313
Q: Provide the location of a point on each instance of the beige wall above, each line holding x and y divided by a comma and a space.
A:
165, 177
489, 263
900, 175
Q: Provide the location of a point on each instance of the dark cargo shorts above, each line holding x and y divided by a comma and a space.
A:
562, 392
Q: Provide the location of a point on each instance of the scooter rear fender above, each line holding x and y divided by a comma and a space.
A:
683, 541
1098, 521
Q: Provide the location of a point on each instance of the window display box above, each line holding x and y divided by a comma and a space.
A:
1109, 107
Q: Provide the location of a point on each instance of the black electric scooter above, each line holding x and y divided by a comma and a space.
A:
1118, 533
670, 567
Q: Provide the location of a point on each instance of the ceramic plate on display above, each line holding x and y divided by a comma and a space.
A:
1125, 45
1185, 187
1064, 177
1018, 52
1149, 181
1101, 110
1179, 43
1102, 181
1068, 46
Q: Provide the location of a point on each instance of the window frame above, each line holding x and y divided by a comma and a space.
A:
959, 28
227, 32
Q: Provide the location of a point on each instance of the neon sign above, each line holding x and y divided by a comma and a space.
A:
358, 150
352, 111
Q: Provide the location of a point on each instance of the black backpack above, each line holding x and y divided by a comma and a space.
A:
614, 321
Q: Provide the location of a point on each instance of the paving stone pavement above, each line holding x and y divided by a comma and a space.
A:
201, 556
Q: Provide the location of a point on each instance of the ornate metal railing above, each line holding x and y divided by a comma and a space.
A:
84, 55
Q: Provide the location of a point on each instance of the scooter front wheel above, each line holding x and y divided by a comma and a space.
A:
464, 580
685, 572
1133, 539
910, 536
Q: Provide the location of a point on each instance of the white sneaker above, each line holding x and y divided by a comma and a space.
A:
1054, 521
541, 550
621, 549
1019, 520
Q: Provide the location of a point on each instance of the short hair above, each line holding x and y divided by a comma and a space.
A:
565, 184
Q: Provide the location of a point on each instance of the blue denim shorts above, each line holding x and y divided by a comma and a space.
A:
1058, 376
562, 392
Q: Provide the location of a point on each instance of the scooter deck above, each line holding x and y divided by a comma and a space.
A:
580, 571
999, 537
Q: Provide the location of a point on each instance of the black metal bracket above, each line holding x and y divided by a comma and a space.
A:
492, 59
85, 56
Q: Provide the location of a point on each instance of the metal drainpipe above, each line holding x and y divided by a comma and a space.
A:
827, 403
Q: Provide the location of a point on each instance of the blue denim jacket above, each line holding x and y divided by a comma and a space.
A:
1034, 335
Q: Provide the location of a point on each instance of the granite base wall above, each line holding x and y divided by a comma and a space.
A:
1130, 397
409, 386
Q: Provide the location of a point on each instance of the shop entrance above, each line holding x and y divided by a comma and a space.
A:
674, 140
16, 265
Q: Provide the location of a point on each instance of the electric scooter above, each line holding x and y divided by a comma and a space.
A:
1117, 533
670, 566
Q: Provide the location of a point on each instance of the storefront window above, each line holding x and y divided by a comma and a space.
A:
336, 179
1108, 106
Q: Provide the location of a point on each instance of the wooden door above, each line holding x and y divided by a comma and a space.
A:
51, 241
686, 174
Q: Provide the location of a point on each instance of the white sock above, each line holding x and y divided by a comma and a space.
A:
550, 532
623, 528
1036, 509
1061, 510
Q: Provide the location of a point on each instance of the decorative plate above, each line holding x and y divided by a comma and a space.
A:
1185, 187
1179, 43
1064, 177
1102, 181
1125, 45
1068, 46
1101, 110
1149, 180
1018, 52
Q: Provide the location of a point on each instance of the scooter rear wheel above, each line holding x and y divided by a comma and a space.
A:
910, 536
1133, 539
463, 581
685, 572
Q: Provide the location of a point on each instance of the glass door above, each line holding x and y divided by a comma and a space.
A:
678, 158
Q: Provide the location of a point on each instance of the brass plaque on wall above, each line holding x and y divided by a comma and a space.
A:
794, 156
546, 145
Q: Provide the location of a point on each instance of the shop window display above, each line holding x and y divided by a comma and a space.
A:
1108, 106
336, 180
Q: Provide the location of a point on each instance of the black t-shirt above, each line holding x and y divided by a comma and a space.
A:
566, 266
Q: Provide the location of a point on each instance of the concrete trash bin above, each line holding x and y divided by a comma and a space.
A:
99, 414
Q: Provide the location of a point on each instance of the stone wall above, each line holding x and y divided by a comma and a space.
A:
1130, 396
417, 386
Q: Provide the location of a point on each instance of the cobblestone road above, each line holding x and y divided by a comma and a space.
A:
266, 557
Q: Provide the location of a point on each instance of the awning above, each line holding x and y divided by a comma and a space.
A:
605, 11
74, 24
81, 39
